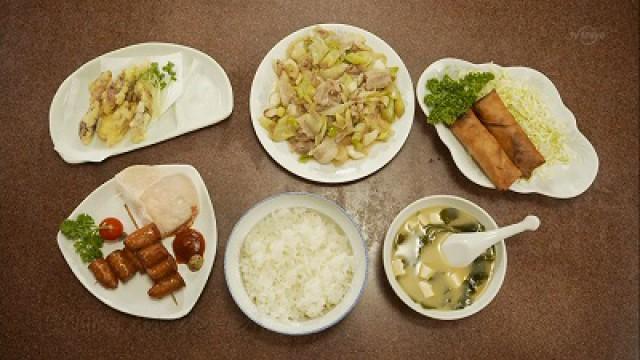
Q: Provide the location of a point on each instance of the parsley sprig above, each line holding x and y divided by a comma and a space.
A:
448, 98
85, 236
160, 78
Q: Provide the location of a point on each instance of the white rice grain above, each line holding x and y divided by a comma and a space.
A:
296, 264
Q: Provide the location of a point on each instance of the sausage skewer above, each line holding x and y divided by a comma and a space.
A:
103, 273
161, 269
166, 286
121, 265
152, 255
133, 258
143, 251
143, 237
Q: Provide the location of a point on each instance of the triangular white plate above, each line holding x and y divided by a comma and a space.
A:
131, 297
559, 181
207, 98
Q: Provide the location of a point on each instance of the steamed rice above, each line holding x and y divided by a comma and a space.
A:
296, 264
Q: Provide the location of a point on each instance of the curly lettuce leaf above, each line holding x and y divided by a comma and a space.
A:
448, 99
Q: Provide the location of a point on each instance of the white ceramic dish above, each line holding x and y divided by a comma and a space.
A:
131, 297
207, 99
559, 181
500, 267
379, 155
257, 213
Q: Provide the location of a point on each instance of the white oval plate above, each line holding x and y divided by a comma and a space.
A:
559, 181
380, 154
257, 213
131, 297
500, 267
207, 99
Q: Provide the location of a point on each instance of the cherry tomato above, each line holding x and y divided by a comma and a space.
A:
111, 229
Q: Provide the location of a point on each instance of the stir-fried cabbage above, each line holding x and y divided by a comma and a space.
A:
334, 98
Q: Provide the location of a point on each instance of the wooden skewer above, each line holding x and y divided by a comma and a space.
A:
133, 220
131, 216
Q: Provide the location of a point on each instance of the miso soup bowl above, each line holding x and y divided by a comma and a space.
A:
500, 266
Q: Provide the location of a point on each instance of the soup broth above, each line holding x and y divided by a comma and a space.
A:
423, 272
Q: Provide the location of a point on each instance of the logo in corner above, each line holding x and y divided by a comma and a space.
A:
587, 35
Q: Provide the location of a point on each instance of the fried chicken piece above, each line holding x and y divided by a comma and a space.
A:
113, 127
88, 123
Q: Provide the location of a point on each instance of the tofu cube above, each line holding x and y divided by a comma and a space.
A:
425, 272
398, 267
454, 280
426, 289
434, 218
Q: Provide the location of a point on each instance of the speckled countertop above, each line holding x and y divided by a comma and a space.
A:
571, 290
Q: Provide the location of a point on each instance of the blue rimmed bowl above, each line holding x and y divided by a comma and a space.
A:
290, 200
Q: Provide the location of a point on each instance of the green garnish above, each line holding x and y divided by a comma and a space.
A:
160, 78
85, 236
448, 98
305, 158
168, 68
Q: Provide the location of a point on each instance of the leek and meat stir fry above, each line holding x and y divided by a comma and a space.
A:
334, 98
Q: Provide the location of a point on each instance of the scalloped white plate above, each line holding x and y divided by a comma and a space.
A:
380, 154
558, 181
207, 98
131, 297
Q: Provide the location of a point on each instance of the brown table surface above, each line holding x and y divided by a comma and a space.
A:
571, 289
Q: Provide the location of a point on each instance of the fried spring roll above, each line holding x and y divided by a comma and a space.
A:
485, 150
493, 113
143, 237
162, 269
152, 255
166, 286
133, 258
103, 273
121, 265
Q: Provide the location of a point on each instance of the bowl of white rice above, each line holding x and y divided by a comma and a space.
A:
296, 263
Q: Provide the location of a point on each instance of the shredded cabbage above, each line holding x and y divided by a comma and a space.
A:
533, 115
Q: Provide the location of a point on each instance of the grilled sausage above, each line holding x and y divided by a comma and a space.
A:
152, 254
121, 265
143, 237
103, 273
133, 258
166, 286
162, 269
